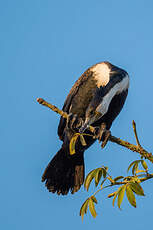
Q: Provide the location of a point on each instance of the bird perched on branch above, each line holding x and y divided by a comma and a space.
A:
96, 99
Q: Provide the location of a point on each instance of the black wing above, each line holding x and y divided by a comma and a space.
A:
75, 95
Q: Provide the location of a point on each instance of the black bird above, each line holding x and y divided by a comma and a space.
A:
96, 99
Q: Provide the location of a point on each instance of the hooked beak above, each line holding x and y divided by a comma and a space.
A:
89, 121
85, 126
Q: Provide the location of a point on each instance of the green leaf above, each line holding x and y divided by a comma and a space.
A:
89, 178
92, 208
103, 182
130, 165
118, 178
83, 142
72, 143
104, 169
140, 171
136, 188
121, 192
130, 196
134, 162
111, 194
114, 198
135, 168
144, 165
94, 199
98, 176
84, 208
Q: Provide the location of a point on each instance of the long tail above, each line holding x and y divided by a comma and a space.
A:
64, 172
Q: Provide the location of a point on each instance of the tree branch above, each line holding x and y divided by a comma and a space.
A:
149, 176
41, 101
135, 148
132, 147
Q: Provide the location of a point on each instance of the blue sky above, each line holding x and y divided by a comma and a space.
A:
44, 47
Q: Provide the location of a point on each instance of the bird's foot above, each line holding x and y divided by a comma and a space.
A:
74, 122
107, 134
99, 132
102, 134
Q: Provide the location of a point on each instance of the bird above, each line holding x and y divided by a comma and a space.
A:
96, 99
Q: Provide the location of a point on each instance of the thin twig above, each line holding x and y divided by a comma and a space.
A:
149, 176
135, 133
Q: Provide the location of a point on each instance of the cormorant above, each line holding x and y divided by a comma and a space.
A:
96, 99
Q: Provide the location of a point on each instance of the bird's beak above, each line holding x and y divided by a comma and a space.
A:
89, 121
85, 126
115, 72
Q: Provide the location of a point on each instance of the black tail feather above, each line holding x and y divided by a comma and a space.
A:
64, 173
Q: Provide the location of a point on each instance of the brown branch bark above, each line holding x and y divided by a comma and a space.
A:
132, 147
135, 148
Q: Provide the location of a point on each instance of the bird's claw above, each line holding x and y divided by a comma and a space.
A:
99, 131
102, 134
107, 134
74, 122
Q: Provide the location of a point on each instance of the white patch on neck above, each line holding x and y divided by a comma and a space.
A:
117, 89
101, 73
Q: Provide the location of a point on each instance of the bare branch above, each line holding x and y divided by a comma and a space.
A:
41, 101
135, 148
132, 147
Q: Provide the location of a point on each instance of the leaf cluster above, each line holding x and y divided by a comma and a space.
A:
129, 185
90, 202
130, 188
95, 174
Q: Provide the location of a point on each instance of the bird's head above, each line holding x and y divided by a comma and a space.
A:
91, 116
110, 82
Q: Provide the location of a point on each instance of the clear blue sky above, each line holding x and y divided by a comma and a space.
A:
44, 48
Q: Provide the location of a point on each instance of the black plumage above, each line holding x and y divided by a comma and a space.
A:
86, 99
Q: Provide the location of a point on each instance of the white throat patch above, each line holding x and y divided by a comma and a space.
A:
101, 73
